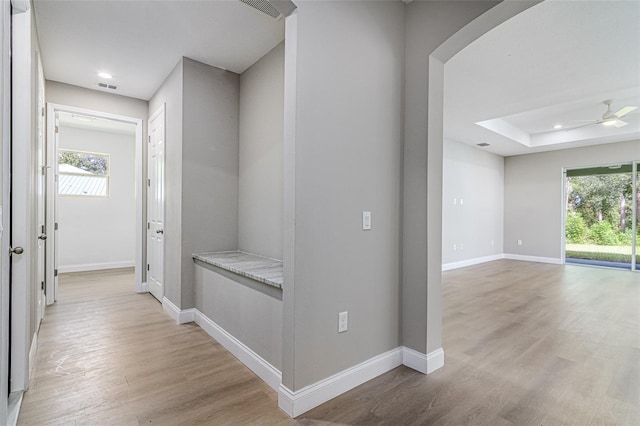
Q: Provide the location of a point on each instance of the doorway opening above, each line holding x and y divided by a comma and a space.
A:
95, 182
600, 225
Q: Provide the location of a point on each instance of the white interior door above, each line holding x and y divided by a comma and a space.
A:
155, 205
41, 173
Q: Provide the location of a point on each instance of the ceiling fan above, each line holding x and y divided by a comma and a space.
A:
609, 118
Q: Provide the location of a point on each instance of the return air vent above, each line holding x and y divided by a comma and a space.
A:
263, 6
483, 144
107, 86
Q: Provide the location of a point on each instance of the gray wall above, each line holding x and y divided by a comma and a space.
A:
209, 166
170, 94
251, 316
348, 158
201, 169
474, 222
533, 199
428, 25
261, 169
79, 97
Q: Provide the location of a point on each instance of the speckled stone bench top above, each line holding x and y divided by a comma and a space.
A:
262, 269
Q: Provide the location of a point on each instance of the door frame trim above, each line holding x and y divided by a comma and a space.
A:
52, 109
161, 111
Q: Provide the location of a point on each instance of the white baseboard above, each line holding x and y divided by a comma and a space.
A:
13, 407
182, 316
267, 372
296, 403
424, 363
470, 262
96, 266
143, 288
32, 355
555, 261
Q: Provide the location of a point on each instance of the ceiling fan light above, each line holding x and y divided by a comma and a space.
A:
610, 122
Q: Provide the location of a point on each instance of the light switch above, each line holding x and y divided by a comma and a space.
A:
343, 322
366, 221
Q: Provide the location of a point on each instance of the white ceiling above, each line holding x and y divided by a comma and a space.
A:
85, 122
139, 42
552, 64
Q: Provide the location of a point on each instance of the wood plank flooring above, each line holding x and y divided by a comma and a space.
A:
108, 356
525, 344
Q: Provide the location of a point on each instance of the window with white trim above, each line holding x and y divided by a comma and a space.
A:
83, 174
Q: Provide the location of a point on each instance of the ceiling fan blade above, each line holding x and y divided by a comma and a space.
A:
620, 123
584, 125
624, 111
580, 121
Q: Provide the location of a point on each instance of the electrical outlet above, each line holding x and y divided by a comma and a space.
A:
492, 243
343, 321
454, 247
461, 201
519, 242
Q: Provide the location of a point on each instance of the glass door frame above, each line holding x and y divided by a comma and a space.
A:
635, 181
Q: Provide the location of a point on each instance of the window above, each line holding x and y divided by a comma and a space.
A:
84, 174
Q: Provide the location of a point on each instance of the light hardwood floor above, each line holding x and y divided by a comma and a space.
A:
525, 344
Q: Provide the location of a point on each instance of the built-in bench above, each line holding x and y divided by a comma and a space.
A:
262, 269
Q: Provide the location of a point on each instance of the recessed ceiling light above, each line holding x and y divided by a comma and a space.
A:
105, 75
558, 126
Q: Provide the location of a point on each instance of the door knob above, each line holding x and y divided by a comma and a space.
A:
16, 250
160, 231
42, 237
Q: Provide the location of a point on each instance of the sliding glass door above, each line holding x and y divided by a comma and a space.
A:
600, 218
636, 223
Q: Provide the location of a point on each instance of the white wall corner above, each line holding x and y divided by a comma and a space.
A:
553, 260
263, 369
299, 402
423, 363
471, 262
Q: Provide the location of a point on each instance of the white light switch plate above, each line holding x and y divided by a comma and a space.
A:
343, 321
366, 221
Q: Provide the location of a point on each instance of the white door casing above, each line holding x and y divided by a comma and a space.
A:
51, 263
40, 181
22, 200
155, 204
52, 192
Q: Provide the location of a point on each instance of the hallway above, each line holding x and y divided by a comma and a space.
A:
109, 356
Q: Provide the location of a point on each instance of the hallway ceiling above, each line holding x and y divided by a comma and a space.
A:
552, 64
140, 42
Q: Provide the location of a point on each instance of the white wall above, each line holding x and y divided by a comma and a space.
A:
533, 194
474, 222
99, 233
261, 169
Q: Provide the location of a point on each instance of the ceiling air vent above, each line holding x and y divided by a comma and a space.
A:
274, 8
263, 6
483, 144
107, 86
